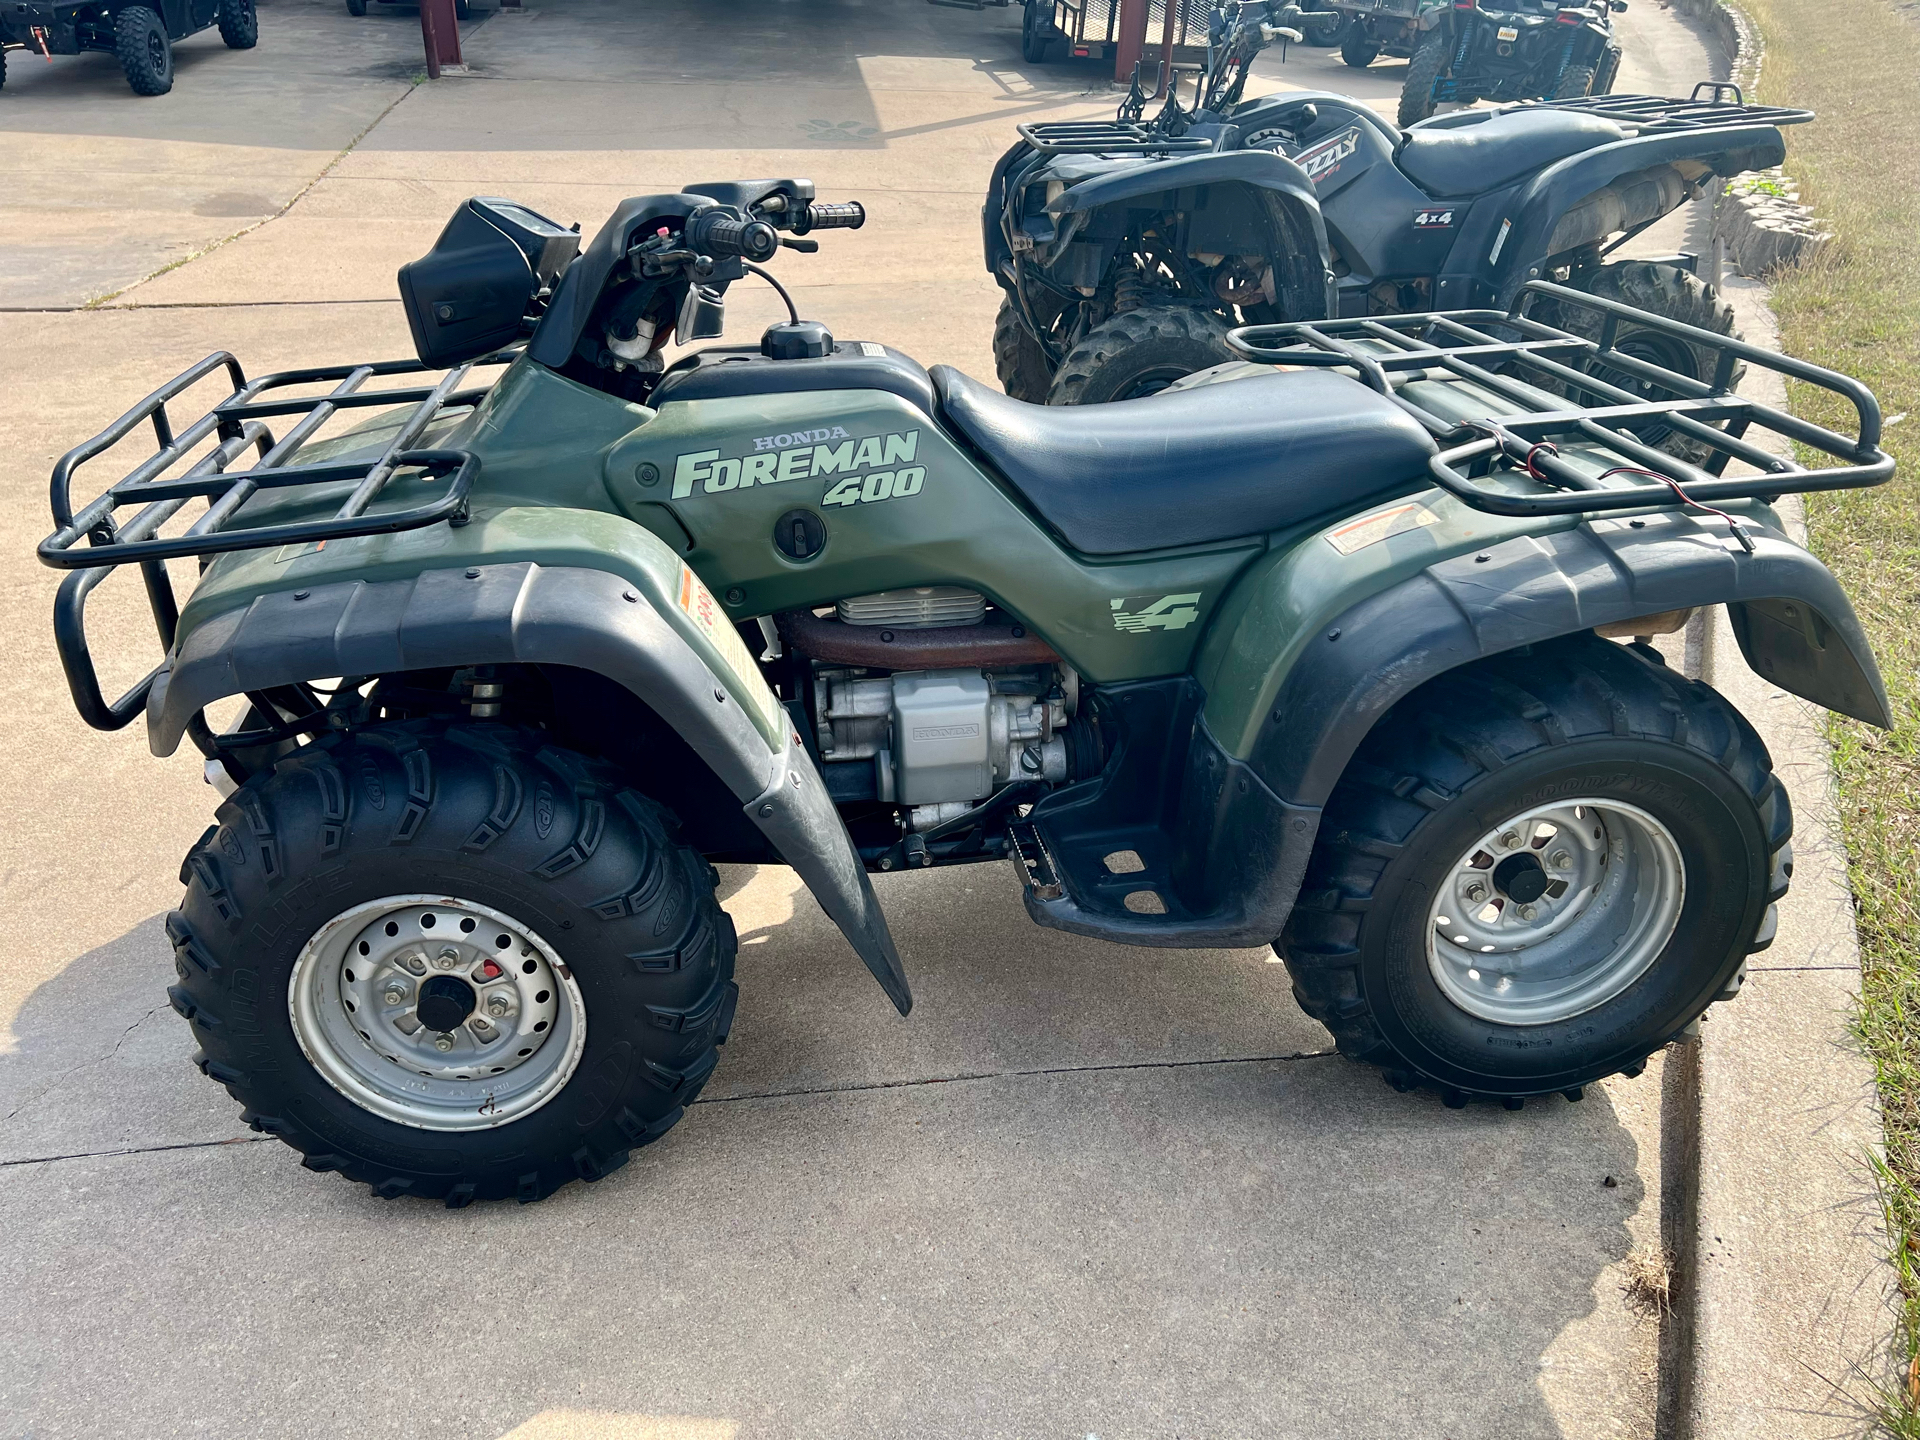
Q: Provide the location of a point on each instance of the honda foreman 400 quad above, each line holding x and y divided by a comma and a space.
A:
1127, 249
1322, 651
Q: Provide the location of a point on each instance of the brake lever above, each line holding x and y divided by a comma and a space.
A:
805, 247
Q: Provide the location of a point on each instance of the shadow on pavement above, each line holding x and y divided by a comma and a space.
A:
1061, 1199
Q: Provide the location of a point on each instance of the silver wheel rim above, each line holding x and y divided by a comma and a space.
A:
379, 1001
1555, 912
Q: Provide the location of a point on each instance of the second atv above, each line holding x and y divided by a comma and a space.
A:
1127, 249
1325, 656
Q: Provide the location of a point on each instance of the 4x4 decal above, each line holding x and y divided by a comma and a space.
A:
1140, 613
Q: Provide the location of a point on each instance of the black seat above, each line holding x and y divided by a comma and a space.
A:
1190, 466
1470, 159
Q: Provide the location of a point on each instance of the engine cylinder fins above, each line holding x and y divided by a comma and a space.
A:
996, 640
925, 607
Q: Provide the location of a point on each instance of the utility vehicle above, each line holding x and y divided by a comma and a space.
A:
1324, 651
140, 36
1127, 249
1460, 51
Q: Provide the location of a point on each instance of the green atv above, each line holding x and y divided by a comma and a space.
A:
1323, 649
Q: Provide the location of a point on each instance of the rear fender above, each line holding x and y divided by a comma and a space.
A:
1342, 661
1296, 238
1536, 209
635, 630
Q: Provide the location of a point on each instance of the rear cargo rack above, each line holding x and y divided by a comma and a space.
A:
235, 425
1524, 362
1106, 137
1707, 109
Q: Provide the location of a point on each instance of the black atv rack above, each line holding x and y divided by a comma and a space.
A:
1107, 137
1524, 362
236, 424
1708, 109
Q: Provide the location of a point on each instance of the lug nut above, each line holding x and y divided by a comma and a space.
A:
1476, 893
1561, 859
448, 958
415, 964
1510, 839
498, 1004
443, 1043
394, 992
1526, 912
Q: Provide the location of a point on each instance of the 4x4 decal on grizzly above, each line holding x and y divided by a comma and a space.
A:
714, 474
1140, 613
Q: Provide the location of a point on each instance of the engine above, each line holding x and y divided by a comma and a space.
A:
937, 741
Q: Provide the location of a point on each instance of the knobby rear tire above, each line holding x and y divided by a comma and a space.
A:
1017, 357
1357, 49
1576, 82
1429, 62
239, 24
1579, 716
492, 816
1664, 290
145, 53
1140, 352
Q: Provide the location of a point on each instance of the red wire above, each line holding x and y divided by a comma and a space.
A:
1687, 500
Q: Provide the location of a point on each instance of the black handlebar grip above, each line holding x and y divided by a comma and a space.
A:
850, 216
721, 236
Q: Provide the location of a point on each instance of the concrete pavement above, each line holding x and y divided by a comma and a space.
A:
1084, 1189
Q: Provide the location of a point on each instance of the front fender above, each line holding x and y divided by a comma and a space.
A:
635, 631
1298, 244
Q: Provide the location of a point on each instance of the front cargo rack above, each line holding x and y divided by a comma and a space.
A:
235, 425
1107, 137
1709, 108
1554, 389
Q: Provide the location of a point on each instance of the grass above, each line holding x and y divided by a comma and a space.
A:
1857, 309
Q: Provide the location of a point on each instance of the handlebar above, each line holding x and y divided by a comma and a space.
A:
850, 216
718, 234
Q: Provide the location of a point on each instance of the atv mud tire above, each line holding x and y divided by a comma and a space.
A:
1608, 72
1576, 82
1139, 353
1018, 359
1357, 47
1664, 290
496, 836
146, 54
1429, 61
239, 24
1577, 722
1038, 38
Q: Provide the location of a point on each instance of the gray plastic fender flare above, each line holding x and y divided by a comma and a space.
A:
529, 614
1794, 623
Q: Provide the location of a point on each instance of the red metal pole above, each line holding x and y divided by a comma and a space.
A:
1131, 38
1166, 47
440, 34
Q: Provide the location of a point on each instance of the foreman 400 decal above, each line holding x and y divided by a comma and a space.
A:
872, 468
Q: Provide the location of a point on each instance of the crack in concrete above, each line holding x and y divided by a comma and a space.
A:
736, 1099
99, 301
72, 1070
137, 1150
1014, 1075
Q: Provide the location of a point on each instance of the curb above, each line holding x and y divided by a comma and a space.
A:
1784, 1306
1758, 217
